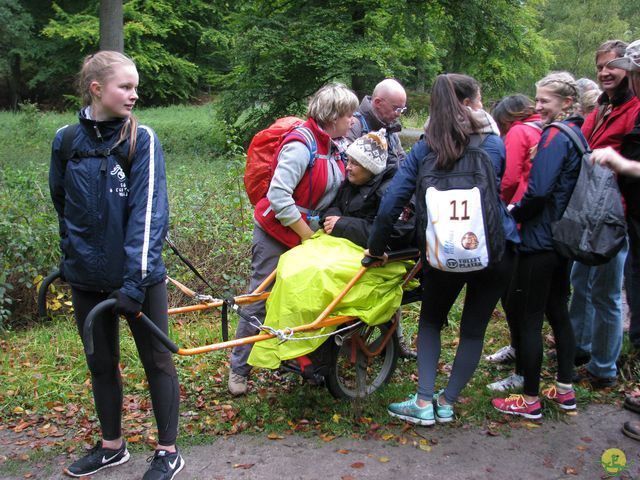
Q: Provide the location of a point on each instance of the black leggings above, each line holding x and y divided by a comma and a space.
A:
156, 360
440, 291
542, 286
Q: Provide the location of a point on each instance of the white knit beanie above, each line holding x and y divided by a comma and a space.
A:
370, 151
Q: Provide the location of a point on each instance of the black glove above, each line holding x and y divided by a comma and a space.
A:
125, 305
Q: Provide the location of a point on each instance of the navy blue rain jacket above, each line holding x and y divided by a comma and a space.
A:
403, 187
554, 173
112, 227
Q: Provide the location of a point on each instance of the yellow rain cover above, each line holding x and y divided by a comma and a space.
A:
309, 277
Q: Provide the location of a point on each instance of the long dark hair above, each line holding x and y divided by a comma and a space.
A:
450, 121
510, 109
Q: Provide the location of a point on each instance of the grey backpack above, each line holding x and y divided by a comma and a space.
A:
592, 229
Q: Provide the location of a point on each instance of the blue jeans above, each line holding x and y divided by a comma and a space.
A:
596, 313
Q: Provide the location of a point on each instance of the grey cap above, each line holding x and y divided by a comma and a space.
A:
631, 59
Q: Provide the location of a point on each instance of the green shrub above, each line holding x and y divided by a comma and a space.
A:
211, 219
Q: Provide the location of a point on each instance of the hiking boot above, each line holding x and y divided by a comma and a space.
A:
237, 384
506, 354
513, 381
584, 376
517, 405
97, 459
632, 429
164, 465
406, 352
632, 403
443, 413
410, 412
566, 401
581, 359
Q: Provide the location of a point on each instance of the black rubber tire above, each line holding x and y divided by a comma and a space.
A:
348, 380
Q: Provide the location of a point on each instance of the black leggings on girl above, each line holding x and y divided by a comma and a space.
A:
440, 290
156, 360
542, 286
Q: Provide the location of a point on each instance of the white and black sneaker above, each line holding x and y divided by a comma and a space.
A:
164, 465
97, 459
506, 354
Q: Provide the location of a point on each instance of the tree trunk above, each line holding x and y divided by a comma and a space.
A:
14, 81
111, 25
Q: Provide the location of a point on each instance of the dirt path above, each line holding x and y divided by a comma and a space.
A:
555, 450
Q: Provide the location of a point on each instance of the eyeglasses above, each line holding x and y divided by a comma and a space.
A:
396, 108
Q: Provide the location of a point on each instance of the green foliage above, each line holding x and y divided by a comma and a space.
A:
211, 220
178, 47
576, 29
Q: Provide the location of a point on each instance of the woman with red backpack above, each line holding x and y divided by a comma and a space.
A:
301, 188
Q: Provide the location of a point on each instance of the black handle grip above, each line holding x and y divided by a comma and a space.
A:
42, 293
107, 305
404, 254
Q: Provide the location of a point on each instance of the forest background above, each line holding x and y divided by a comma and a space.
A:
262, 58
213, 73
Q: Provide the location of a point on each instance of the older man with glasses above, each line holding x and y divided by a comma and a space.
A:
382, 109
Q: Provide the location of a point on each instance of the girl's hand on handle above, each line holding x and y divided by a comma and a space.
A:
125, 305
373, 260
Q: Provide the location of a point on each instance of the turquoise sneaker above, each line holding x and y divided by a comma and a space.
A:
444, 413
410, 412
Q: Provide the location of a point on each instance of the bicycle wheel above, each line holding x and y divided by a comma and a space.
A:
352, 374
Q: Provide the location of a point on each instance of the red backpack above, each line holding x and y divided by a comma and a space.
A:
261, 159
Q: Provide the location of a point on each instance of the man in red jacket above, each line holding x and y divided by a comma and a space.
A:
596, 305
628, 168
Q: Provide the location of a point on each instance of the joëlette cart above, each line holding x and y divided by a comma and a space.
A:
353, 363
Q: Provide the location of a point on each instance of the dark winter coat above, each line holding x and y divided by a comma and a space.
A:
357, 207
365, 121
554, 173
112, 226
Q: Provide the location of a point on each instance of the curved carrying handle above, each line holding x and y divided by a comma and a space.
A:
107, 305
42, 293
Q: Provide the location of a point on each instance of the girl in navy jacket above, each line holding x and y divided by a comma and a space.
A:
542, 278
113, 212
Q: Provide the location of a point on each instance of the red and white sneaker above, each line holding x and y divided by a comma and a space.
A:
566, 401
516, 405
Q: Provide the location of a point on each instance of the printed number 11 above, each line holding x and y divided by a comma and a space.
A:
464, 208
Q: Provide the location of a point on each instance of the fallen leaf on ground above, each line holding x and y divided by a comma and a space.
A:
357, 465
244, 466
342, 451
274, 436
383, 459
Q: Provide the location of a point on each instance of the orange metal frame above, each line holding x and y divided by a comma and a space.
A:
322, 320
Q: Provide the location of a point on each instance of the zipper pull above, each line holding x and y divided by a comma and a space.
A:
98, 134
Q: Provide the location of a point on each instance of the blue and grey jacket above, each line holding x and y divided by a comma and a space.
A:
554, 173
112, 225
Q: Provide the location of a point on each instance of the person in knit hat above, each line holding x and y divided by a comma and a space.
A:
369, 152
367, 177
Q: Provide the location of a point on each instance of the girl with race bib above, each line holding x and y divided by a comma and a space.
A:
453, 125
